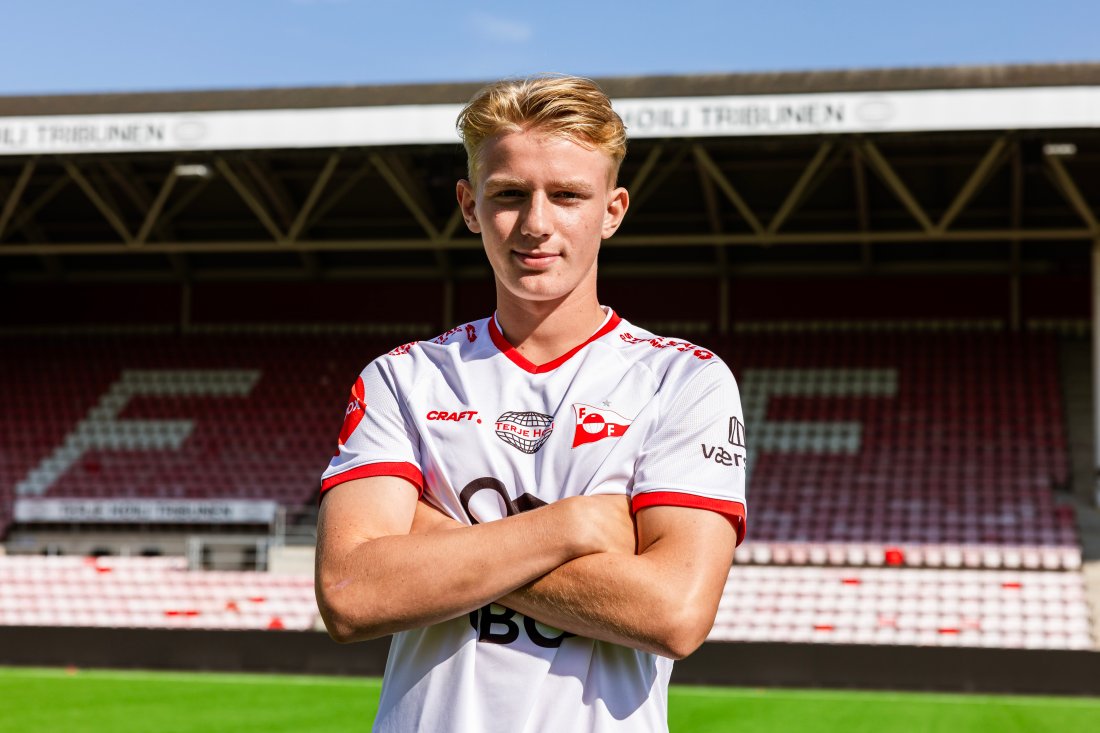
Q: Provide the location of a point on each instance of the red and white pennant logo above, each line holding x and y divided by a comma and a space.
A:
597, 423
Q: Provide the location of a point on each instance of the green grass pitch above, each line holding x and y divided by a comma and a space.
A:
81, 701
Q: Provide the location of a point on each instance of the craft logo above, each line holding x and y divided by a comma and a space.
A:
464, 416
597, 423
525, 431
737, 432
353, 415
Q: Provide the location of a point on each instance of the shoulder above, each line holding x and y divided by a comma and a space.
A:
453, 345
673, 361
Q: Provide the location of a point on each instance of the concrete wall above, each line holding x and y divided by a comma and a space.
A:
290, 560
754, 665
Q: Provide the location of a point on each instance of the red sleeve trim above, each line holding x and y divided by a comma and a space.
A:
734, 511
407, 471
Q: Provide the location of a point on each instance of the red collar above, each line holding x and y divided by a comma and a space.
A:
523, 363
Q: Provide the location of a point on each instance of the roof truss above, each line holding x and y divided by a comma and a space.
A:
388, 204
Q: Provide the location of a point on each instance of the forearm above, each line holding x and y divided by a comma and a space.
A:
662, 599
608, 596
394, 583
631, 600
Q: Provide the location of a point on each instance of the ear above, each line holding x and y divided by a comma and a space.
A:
617, 203
467, 202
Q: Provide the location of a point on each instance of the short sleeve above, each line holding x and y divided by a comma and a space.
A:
376, 439
696, 455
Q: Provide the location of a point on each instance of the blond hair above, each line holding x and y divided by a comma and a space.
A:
571, 107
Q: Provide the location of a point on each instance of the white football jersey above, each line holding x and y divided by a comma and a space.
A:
484, 433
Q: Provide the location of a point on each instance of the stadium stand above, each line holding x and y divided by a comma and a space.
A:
898, 309
938, 449
918, 449
150, 593
162, 417
807, 604
899, 438
922, 464
1021, 609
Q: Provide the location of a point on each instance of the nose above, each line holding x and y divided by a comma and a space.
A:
537, 218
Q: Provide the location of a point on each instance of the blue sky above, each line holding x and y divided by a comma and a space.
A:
51, 46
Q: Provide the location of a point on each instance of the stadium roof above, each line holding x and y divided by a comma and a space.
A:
787, 82
987, 169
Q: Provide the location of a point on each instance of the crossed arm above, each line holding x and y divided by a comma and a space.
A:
387, 562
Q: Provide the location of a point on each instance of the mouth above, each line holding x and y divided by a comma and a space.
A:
536, 260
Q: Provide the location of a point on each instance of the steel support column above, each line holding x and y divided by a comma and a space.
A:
1015, 247
1096, 368
859, 179
714, 219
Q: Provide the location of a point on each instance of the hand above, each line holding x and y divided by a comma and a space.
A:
603, 523
428, 519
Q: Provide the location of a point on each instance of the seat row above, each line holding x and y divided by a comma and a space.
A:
918, 555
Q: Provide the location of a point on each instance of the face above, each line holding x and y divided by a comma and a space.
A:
542, 205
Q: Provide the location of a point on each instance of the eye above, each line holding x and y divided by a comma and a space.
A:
570, 195
507, 194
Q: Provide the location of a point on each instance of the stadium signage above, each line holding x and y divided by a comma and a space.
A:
682, 117
145, 511
104, 134
725, 118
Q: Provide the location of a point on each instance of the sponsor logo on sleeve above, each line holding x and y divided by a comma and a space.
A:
660, 342
737, 433
469, 329
719, 454
353, 414
597, 423
527, 432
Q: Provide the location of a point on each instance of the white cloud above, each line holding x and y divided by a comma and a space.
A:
504, 30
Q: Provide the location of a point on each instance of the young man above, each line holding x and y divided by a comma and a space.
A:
542, 506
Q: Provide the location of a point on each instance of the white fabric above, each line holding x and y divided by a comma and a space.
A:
487, 434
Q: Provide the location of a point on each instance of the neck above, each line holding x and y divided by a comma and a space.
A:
544, 330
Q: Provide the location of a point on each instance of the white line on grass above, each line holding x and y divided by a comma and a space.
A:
961, 698
685, 690
202, 677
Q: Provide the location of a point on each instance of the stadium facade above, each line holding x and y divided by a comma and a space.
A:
950, 210
742, 182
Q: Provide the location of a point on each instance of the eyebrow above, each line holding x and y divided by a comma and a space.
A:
570, 184
499, 183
